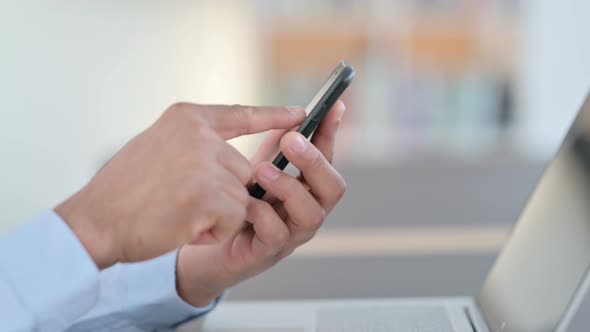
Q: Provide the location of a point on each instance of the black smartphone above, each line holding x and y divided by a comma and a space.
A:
316, 110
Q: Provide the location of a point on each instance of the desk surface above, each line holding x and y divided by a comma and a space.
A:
299, 316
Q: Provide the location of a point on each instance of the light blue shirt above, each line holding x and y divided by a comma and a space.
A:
49, 283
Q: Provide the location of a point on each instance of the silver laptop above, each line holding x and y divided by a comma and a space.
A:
537, 282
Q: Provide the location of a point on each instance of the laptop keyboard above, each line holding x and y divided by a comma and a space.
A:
384, 319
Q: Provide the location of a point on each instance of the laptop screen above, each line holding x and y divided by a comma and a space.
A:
540, 275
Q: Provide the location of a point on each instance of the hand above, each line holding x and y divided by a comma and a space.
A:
291, 213
176, 182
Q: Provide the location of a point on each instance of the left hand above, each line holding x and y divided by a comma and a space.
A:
289, 215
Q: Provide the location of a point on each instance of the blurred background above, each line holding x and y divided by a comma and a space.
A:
456, 108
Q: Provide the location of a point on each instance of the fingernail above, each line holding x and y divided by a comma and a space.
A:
269, 172
340, 115
342, 111
298, 145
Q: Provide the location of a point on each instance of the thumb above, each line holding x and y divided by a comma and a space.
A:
236, 120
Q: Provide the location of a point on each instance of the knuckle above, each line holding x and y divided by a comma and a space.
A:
329, 156
318, 218
288, 186
206, 195
286, 253
214, 193
188, 192
240, 214
177, 107
280, 237
238, 193
308, 237
230, 222
248, 112
317, 160
176, 110
229, 207
196, 164
235, 108
244, 196
246, 171
243, 168
341, 187
246, 115
184, 112
249, 116
264, 213
260, 209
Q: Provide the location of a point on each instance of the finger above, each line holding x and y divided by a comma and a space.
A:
231, 185
270, 231
269, 146
228, 214
233, 161
305, 213
324, 137
236, 120
324, 181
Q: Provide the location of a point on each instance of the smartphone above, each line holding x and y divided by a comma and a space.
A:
316, 110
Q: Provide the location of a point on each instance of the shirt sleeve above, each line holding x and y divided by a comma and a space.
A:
47, 280
140, 297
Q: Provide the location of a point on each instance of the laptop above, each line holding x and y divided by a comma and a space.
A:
536, 284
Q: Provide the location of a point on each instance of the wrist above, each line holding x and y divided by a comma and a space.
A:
192, 291
93, 235
195, 297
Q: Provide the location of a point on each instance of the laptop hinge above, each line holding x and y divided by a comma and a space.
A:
575, 303
470, 319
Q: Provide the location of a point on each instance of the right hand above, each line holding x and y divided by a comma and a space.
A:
177, 182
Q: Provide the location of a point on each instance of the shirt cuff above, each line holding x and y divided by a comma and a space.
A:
163, 307
143, 296
49, 270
